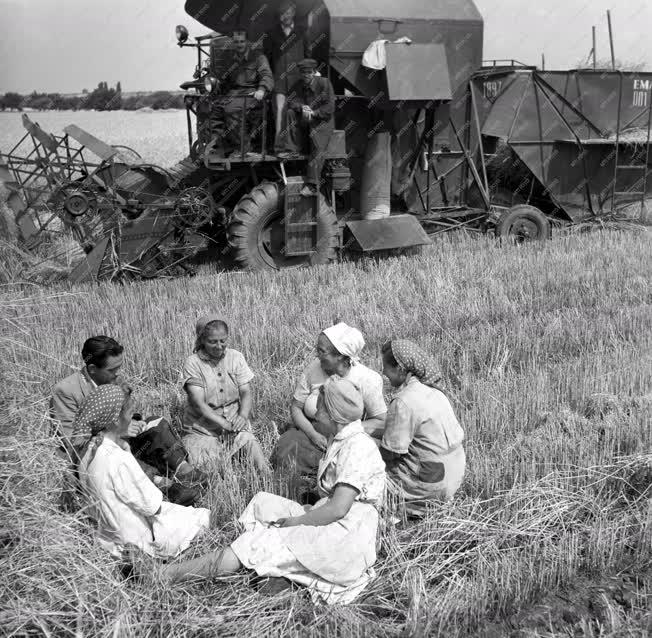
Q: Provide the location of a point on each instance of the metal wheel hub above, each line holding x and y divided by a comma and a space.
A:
77, 203
524, 229
194, 208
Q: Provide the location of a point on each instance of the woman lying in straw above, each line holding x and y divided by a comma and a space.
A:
128, 508
422, 442
331, 547
338, 353
217, 381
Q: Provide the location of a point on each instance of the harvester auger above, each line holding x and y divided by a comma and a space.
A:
132, 219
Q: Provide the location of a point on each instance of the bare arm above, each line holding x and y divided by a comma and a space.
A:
196, 399
245, 400
375, 426
241, 420
336, 508
302, 422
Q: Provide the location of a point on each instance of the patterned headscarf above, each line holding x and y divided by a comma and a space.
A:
100, 410
346, 340
343, 400
415, 360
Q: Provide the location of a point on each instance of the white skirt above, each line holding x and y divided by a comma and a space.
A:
319, 558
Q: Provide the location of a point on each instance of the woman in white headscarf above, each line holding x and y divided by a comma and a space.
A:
329, 548
338, 353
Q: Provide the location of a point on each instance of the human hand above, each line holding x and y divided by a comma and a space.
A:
239, 423
319, 441
259, 94
135, 428
307, 113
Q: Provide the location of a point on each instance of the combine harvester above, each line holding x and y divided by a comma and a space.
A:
433, 141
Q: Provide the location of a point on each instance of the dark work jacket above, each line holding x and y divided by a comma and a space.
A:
319, 96
247, 74
284, 53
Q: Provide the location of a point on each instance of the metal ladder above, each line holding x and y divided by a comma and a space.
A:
636, 165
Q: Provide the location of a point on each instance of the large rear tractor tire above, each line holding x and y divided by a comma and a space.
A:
523, 223
257, 232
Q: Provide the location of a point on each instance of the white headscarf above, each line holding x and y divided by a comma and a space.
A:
346, 340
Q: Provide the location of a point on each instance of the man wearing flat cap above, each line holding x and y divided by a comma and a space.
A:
284, 46
310, 121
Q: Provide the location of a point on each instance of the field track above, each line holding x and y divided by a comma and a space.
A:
546, 352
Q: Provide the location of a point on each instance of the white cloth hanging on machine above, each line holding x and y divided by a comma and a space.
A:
375, 56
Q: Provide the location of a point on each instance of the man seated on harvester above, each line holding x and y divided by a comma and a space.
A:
152, 442
310, 122
242, 87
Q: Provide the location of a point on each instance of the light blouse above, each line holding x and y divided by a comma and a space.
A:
221, 382
125, 504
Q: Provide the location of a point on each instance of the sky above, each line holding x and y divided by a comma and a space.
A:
70, 45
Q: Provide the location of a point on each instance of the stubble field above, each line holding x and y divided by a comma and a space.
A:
546, 352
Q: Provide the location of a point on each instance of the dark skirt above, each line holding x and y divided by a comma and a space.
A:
295, 452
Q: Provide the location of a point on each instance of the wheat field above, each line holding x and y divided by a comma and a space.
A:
546, 352
159, 136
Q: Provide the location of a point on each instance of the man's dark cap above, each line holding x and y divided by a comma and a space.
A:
307, 65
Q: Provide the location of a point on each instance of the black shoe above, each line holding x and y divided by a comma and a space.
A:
181, 494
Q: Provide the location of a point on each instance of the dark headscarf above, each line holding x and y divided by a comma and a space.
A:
417, 361
99, 411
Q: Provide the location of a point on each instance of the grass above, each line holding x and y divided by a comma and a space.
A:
546, 351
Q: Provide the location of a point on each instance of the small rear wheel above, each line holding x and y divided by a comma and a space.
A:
257, 232
523, 223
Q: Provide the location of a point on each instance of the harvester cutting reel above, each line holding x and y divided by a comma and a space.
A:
131, 219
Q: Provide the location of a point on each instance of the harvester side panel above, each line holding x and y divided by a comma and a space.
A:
563, 125
595, 94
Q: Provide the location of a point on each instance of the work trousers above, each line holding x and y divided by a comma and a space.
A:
308, 139
227, 115
159, 447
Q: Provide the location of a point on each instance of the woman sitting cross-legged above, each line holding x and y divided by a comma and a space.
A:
422, 442
331, 547
338, 352
217, 381
128, 508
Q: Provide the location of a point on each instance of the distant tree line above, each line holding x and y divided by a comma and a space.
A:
102, 98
